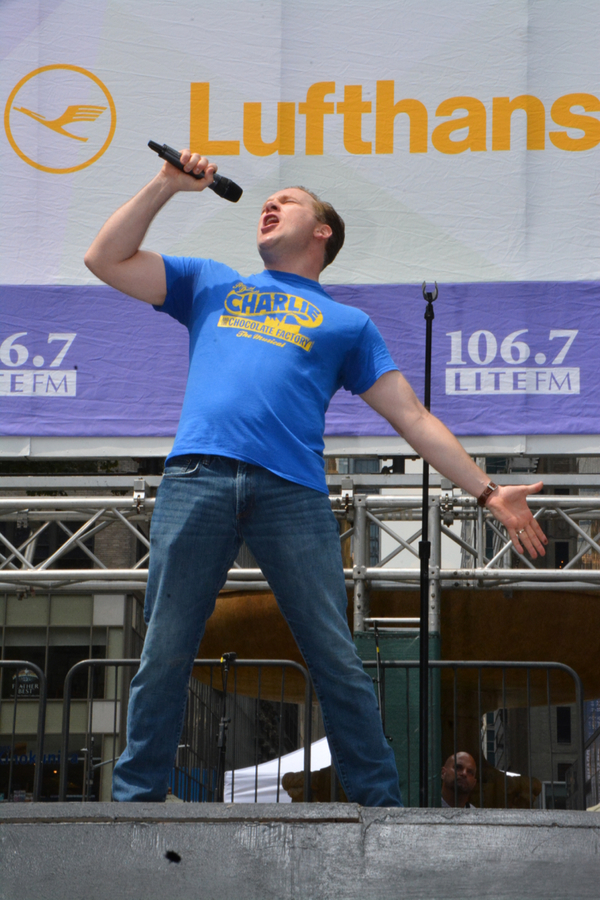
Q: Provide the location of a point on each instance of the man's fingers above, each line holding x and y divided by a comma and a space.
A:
531, 539
537, 536
199, 163
535, 543
194, 163
522, 543
539, 532
210, 171
188, 159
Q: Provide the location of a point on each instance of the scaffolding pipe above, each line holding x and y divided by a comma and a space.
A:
435, 538
371, 574
362, 606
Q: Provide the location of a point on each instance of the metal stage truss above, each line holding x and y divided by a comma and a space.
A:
84, 506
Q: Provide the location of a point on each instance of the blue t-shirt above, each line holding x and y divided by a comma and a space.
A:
267, 353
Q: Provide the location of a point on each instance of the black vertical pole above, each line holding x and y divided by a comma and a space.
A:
424, 556
227, 660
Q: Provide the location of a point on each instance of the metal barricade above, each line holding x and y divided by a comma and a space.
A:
21, 665
592, 770
205, 726
507, 673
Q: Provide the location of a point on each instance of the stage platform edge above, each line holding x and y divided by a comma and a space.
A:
110, 851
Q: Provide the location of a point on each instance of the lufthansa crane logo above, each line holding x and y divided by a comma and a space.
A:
60, 118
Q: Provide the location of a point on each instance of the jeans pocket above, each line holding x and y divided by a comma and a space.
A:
179, 466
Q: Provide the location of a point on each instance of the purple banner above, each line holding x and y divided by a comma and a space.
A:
508, 358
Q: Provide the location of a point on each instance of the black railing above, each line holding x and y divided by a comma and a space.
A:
525, 697
198, 773
499, 688
23, 696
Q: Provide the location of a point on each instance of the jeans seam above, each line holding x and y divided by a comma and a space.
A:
341, 766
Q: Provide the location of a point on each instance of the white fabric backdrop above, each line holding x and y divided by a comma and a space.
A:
477, 215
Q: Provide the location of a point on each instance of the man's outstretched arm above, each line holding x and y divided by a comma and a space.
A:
115, 256
393, 398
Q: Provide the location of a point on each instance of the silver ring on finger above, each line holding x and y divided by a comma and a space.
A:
520, 531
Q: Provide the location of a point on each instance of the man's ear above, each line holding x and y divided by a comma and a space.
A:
322, 231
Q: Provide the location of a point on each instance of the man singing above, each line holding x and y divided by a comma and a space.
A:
267, 353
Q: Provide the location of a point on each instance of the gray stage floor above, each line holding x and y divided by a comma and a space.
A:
108, 851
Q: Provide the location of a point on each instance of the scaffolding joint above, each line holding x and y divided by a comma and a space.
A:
446, 502
139, 493
359, 573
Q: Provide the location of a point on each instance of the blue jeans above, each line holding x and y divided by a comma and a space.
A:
206, 506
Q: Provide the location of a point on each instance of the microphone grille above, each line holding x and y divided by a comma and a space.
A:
226, 188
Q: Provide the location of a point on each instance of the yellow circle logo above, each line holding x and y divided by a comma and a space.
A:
60, 118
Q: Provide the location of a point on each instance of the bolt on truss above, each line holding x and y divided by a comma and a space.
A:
469, 549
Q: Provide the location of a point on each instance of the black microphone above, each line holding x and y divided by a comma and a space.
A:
222, 186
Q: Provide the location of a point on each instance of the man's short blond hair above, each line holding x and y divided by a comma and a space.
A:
326, 213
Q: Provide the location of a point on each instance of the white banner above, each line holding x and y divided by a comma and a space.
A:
460, 142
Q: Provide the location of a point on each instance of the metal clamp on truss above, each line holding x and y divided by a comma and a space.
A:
139, 493
359, 573
347, 491
447, 501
